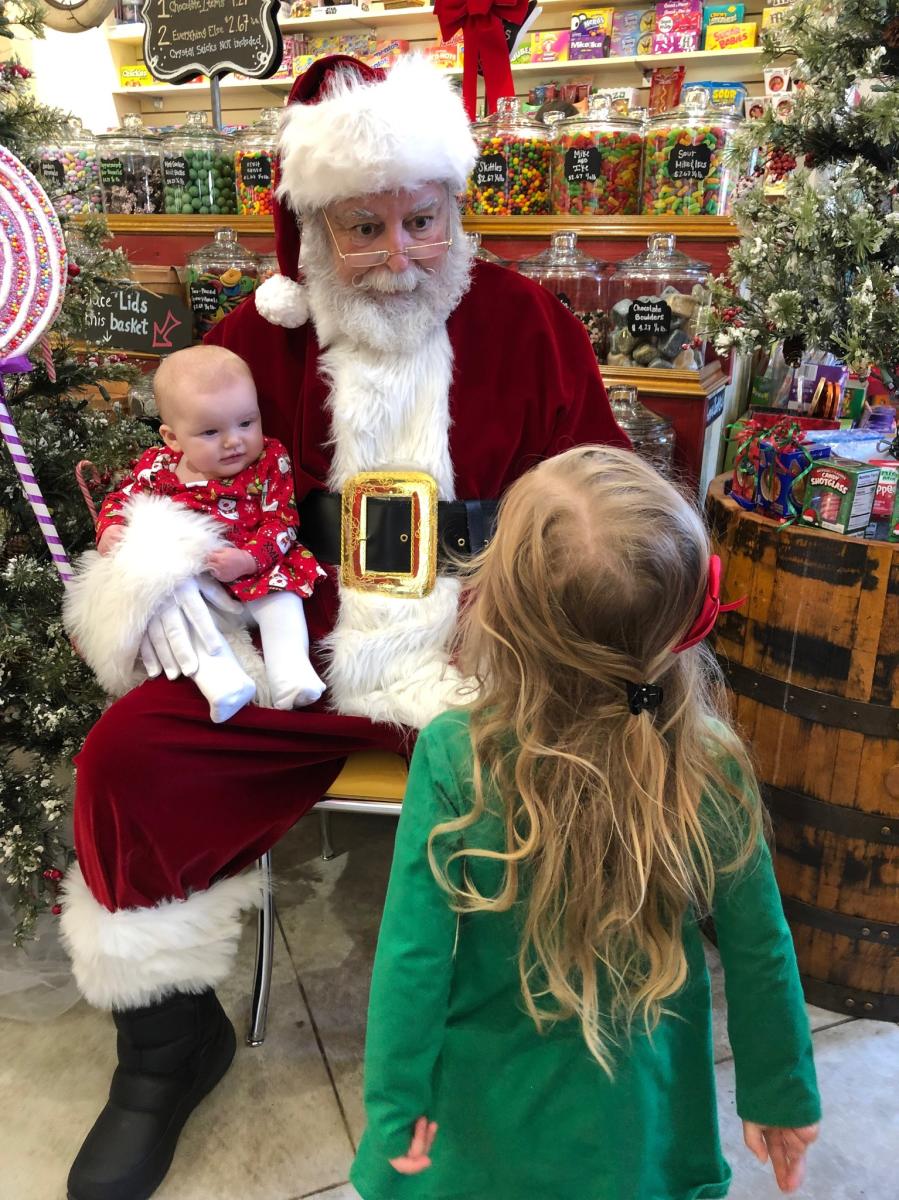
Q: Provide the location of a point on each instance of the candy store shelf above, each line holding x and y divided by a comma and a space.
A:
702, 229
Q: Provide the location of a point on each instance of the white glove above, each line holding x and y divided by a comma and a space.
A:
166, 644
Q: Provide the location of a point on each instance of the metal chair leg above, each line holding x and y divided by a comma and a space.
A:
265, 948
324, 823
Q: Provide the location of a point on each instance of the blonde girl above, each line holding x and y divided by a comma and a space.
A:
540, 993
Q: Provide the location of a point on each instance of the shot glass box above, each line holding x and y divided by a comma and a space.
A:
840, 496
778, 493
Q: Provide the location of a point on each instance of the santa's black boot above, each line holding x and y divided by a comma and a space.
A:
170, 1055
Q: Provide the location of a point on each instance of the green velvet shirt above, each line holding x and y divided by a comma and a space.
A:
530, 1116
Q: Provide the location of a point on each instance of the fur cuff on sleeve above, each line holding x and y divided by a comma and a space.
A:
109, 604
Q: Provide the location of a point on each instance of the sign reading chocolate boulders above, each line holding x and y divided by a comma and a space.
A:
124, 317
649, 316
184, 38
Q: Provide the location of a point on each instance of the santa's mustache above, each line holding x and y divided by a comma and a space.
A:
391, 283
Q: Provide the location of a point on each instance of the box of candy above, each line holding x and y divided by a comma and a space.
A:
590, 33
386, 53
777, 80
722, 14
882, 523
622, 99
772, 17
731, 37
678, 26
632, 31
549, 45
723, 95
840, 496
135, 75
779, 494
755, 106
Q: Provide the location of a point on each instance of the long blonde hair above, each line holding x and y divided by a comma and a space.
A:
597, 569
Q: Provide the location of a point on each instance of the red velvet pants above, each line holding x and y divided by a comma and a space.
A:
166, 802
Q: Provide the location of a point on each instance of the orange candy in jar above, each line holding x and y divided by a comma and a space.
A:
511, 173
596, 160
254, 164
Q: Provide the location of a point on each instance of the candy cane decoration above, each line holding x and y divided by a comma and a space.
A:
34, 494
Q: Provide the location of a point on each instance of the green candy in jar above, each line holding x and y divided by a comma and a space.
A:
685, 173
198, 169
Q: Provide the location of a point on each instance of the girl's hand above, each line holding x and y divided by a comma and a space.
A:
110, 538
785, 1147
230, 564
417, 1159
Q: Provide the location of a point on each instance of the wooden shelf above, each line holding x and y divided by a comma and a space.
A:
705, 229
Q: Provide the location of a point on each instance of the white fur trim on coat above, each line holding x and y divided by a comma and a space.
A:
402, 132
109, 604
137, 956
282, 302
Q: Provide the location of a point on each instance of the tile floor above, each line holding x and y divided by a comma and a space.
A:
284, 1124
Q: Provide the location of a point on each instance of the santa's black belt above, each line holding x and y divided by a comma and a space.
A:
390, 533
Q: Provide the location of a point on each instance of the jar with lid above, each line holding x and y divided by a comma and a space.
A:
575, 278
596, 160
69, 172
684, 171
511, 173
141, 397
218, 276
655, 302
481, 252
254, 163
198, 169
267, 266
130, 169
652, 437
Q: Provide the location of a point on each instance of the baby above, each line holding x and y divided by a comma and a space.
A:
216, 461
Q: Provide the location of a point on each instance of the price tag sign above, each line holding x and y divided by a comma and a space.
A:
690, 162
256, 172
184, 38
112, 171
51, 173
204, 299
583, 164
490, 171
649, 317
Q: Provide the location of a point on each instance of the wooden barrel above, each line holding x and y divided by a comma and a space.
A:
813, 661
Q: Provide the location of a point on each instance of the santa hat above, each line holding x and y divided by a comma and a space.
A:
350, 129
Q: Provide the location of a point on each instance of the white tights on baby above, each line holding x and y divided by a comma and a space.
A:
285, 649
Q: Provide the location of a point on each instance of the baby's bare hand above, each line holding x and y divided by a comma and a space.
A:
110, 538
230, 564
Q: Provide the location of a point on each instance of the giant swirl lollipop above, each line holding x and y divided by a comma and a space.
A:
32, 284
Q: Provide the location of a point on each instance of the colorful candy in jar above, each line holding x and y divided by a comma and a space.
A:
219, 276
69, 171
512, 170
685, 173
198, 169
596, 160
255, 164
130, 169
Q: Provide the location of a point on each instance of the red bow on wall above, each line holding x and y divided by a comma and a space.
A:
481, 22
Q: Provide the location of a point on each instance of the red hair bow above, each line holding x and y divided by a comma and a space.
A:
481, 22
711, 608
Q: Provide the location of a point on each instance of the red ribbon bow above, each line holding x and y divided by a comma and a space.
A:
711, 608
481, 22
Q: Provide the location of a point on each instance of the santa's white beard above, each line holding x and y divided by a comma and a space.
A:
388, 312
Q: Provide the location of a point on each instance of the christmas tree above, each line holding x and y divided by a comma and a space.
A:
818, 267
49, 697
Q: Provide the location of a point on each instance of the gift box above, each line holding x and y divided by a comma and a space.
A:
784, 472
731, 37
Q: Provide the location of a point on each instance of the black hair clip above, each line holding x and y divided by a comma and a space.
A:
643, 697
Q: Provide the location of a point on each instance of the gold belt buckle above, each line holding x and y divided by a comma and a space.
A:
421, 490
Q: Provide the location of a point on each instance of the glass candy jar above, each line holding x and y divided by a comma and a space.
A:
481, 252
267, 266
130, 169
655, 300
596, 161
218, 276
198, 169
69, 172
652, 437
254, 164
684, 173
511, 173
574, 278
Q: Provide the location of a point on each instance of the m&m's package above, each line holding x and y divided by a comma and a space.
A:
512, 171
685, 173
596, 162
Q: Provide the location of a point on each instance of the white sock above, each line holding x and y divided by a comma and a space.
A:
223, 682
285, 648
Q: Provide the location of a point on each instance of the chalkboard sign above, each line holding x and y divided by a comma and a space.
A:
583, 164
256, 172
184, 38
125, 317
649, 317
690, 162
112, 172
51, 173
489, 171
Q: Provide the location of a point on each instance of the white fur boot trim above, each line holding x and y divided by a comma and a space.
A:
138, 956
282, 302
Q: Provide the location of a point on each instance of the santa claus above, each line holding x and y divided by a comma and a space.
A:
412, 386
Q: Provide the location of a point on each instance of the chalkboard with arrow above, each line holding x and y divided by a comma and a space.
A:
125, 317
